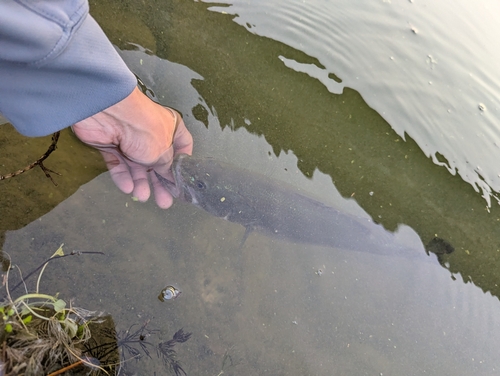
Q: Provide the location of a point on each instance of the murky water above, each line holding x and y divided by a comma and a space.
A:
429, 68
264, 308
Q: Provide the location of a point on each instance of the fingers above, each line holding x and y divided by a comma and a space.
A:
139, 176
128, 176
118, 169
131, 177
129, 155
162, 197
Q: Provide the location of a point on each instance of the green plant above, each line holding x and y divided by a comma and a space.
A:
41, 333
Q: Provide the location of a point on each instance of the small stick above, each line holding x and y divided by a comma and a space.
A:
87, 361
73, 253
39, 162
62, 370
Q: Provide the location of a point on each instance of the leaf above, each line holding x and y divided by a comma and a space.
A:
8, 328
59, 251
81, 329
28, 319
25, 311
59, 305
70, 327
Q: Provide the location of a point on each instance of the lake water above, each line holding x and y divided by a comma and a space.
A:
382, 109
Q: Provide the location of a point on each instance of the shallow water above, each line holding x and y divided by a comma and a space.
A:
429, 68
264, 308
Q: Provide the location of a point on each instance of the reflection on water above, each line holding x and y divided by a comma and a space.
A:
263, 308
429, 68
266, 308
245, 84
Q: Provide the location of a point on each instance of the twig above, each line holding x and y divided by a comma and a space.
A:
62, 370
86, 361
39, 162
73, 253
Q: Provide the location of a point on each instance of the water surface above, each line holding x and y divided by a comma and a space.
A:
277, 92
429, 68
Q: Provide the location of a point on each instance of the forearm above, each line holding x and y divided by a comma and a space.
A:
63, 76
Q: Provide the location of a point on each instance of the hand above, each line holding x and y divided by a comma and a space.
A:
135, 137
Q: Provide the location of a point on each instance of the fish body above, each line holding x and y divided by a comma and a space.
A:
260, 203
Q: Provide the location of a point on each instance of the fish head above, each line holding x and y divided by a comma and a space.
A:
204, 183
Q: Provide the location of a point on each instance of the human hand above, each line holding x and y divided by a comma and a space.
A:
137, 137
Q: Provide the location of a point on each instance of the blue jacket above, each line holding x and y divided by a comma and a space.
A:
56, 65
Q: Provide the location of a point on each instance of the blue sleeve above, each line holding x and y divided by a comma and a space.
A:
57, 67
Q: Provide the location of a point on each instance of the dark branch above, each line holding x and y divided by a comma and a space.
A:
39, 162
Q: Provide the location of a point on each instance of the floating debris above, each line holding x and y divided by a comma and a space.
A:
431, 61
169, 293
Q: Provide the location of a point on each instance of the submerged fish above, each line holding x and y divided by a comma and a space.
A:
272, 207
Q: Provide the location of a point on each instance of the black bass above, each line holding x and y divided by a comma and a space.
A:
272, 207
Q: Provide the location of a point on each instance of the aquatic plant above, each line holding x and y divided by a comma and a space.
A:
133, 344
168, 354
40, 333
114, 349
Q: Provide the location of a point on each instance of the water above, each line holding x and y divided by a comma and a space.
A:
429, 68
265, 309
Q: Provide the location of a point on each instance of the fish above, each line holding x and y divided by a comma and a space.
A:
272, 207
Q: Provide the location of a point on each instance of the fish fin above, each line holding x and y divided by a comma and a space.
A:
248, 230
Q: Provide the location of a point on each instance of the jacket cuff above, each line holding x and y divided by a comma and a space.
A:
84, 79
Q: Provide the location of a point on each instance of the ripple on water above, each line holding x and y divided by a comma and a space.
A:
429, 68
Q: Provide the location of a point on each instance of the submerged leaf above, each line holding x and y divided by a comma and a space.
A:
59, 305
59, 251
70, 327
